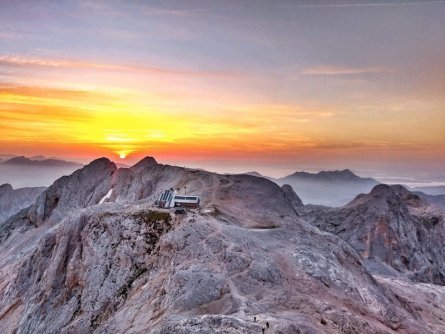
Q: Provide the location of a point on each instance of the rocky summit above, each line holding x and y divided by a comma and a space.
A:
93, 254
395, 232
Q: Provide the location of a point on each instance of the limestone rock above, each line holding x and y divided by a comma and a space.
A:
85, 187
394, 231
101, 259
14, 200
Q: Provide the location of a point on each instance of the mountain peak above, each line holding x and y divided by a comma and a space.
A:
347, 172
144, 163
344, 174
5, 188
85, 187
383, 194
18, 160
388, 191
97, 166
100, 161
291, 196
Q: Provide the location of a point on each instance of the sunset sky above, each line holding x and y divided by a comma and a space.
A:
274, 86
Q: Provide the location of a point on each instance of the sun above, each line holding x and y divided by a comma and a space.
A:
123, 153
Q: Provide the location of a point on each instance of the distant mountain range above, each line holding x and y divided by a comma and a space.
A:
430, 190
331, 176
337, 188
330, 188
38, 171
4, 157
24, 161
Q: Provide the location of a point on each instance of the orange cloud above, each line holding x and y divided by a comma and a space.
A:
21, 61
126, 124
333, 70
134, 118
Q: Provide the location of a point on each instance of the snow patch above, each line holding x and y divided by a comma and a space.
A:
107, 196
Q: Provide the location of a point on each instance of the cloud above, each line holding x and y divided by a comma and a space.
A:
371, 4
16, 61
335, 145
173, 12
12, 90
23, 115
8, 35
364, 145
334, 70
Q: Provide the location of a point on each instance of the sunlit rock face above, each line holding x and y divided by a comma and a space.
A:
395, 231
102, 259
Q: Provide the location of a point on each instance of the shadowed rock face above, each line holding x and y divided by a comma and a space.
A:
100, 260
393, 230
83, 188
14, 200
291, 196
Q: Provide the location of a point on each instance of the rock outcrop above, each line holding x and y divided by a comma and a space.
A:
292, 197
395, 231
101, 259
14, 200
85, 187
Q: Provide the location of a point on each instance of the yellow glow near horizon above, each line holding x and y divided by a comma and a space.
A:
274, 86
128, 121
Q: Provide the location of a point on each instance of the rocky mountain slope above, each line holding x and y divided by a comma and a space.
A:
395, 231
438, 200
93, 255
14, 200
330, 188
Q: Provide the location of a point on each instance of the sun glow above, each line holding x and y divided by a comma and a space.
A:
123, 114
123, 153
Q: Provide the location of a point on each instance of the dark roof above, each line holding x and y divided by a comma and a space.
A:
180, 210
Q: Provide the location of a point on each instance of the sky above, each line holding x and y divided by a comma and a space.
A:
231, 86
